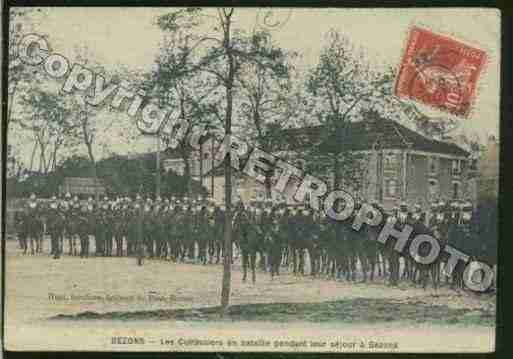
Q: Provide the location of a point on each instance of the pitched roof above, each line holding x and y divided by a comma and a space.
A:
369, 134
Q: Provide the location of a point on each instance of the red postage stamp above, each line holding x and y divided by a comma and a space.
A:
439, 71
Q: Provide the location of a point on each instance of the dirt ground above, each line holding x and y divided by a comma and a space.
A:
39, 288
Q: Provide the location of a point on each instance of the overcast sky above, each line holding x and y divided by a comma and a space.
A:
128, 36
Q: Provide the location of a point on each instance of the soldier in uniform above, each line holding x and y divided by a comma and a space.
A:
369, 247
459, 237
118, 213
73, 225
141, 212
274, 242
148, 227
55, 227
219, 236
391, 253
248, 236
84, 227
418, 215
106, 225
34, 224
134, 219
20, 225
202, 232
211, 209
403, 219
158, 231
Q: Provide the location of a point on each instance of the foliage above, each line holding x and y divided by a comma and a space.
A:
121, 176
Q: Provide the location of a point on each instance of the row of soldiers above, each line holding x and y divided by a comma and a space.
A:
193, 229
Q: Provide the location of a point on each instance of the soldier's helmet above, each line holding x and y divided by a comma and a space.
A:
105, 198
200, 198
166, 201
403, 206
138, 197
32, 196
68, 195
185, 199
159, 199
54, 198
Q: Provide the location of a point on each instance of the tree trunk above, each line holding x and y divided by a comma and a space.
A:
157, 165
88, 140
336, 184
94, 170
9, 109
32, 156
42, 157
227, 255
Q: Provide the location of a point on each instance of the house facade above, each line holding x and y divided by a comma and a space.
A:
397, 164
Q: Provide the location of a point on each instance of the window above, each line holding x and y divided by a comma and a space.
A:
456, 167
433, 163
433, 189
390, 162
455, 190
391, 188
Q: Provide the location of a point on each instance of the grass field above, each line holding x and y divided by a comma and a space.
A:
80, 303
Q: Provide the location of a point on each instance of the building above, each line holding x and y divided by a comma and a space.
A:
397, 164
488, 182
86, 186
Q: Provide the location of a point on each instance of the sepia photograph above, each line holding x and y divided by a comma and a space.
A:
251, 179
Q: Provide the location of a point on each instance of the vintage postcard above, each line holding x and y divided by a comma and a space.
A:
251, 179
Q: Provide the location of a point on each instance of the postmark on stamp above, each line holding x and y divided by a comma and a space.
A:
439, 71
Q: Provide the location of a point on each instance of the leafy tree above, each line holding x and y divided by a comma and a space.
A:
264, 97
220, 56
193, 95
342, 87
